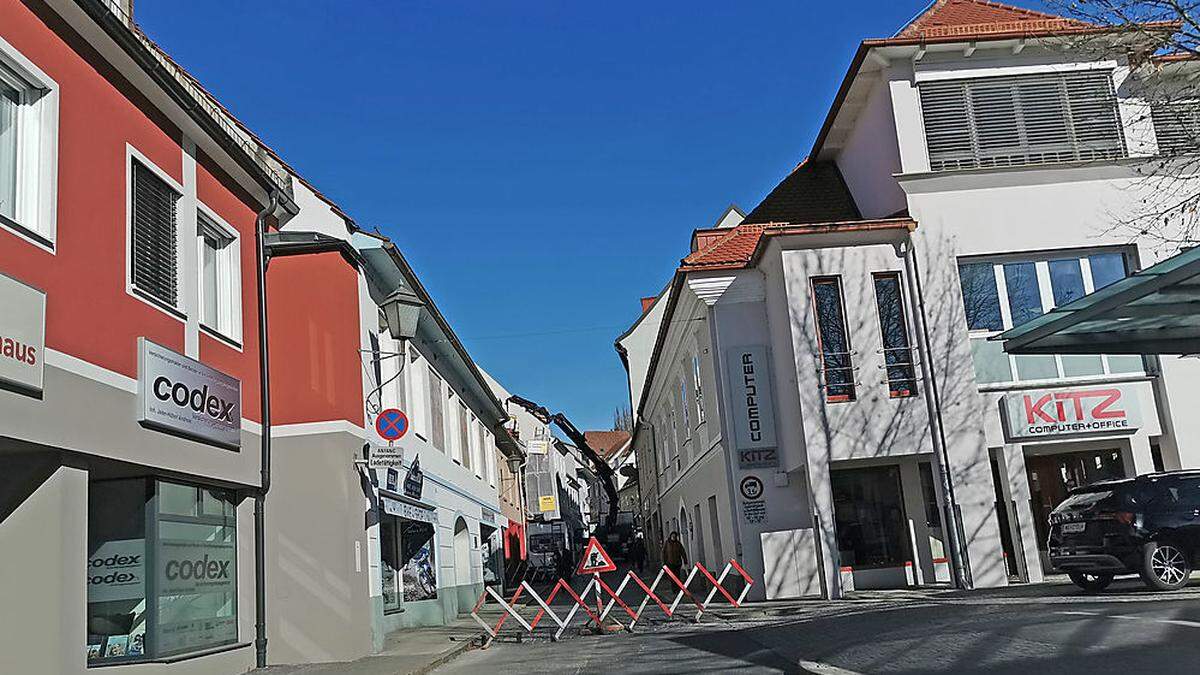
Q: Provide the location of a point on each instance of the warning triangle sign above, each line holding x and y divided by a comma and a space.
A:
595, 559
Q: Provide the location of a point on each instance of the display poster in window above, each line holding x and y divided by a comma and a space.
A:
180, 636
753, 406
190, 567
418, 571
22, 336
117, 571
183, 396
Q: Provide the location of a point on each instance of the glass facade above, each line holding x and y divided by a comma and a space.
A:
1008, 291
162, 569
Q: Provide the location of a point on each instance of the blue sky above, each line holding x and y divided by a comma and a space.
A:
541, 164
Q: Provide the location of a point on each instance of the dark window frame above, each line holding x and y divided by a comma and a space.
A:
850, 387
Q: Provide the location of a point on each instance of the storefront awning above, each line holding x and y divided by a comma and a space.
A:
1155, 311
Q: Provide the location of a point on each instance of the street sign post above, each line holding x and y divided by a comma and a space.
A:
391, 424
595, 559
385, 457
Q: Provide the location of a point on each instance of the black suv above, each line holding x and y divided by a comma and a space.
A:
1149, 525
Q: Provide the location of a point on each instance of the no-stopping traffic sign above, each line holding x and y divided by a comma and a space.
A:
391, 424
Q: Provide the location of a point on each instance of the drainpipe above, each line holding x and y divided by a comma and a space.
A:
937, 430
264, 376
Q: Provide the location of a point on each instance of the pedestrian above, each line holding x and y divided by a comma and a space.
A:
674, 556
637, 551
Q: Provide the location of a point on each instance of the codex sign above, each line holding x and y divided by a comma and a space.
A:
180, 395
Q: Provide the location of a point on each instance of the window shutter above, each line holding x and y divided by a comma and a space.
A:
154, 236
1177, 126
1022, 119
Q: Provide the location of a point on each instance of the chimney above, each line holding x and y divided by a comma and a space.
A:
646, 302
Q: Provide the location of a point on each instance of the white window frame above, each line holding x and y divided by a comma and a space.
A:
698, 389
1041, 262
131, 154
229, 277
36, 213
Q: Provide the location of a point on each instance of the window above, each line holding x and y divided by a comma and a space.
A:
1177, 126
465, 446
28, 148
437, 424
699, 389
684, 408
893, 326
833, 340
153, 230
148, 597
1021, 119
220, 277
1006, 292
409, 572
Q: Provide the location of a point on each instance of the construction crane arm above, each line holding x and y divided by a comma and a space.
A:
602, 469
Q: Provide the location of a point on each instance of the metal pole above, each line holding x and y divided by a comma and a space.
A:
264, 377
937, 430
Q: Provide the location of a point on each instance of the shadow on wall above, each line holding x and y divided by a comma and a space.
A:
875, 425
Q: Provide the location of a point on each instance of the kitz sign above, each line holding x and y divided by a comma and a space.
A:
753, 407
1060, 412
180, 395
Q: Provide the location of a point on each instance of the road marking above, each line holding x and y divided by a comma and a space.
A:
825, 669
1172, 622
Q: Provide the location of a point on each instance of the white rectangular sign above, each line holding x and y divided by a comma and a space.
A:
385, 457
753, 407
180, 395
22, 336
1047, 413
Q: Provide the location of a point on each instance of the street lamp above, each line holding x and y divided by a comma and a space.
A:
401, 311
515, 464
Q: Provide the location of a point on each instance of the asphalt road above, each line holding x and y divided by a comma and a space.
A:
1050, 628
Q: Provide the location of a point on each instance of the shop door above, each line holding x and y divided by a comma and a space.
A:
1052, 476
868, 509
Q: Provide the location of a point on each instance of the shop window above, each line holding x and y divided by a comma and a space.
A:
869, 515
407, 554
162, 569
154, 257
1005, 292
220, 278
833, 339
893, 327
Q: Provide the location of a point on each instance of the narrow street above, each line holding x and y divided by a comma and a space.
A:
1039, 629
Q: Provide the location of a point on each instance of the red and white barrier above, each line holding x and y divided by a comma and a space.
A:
601, 611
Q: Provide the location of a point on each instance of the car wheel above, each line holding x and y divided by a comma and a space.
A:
1091, 582
1165, 566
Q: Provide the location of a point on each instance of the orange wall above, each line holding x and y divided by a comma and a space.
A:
89, 314
316, 367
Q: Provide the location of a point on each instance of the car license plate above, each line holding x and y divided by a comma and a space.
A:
1073, 528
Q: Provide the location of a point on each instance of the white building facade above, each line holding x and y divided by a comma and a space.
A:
820, 367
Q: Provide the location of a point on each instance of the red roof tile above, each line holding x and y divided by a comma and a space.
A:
606, 443
981, 17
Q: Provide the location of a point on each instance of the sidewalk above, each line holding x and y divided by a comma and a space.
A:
410, 651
